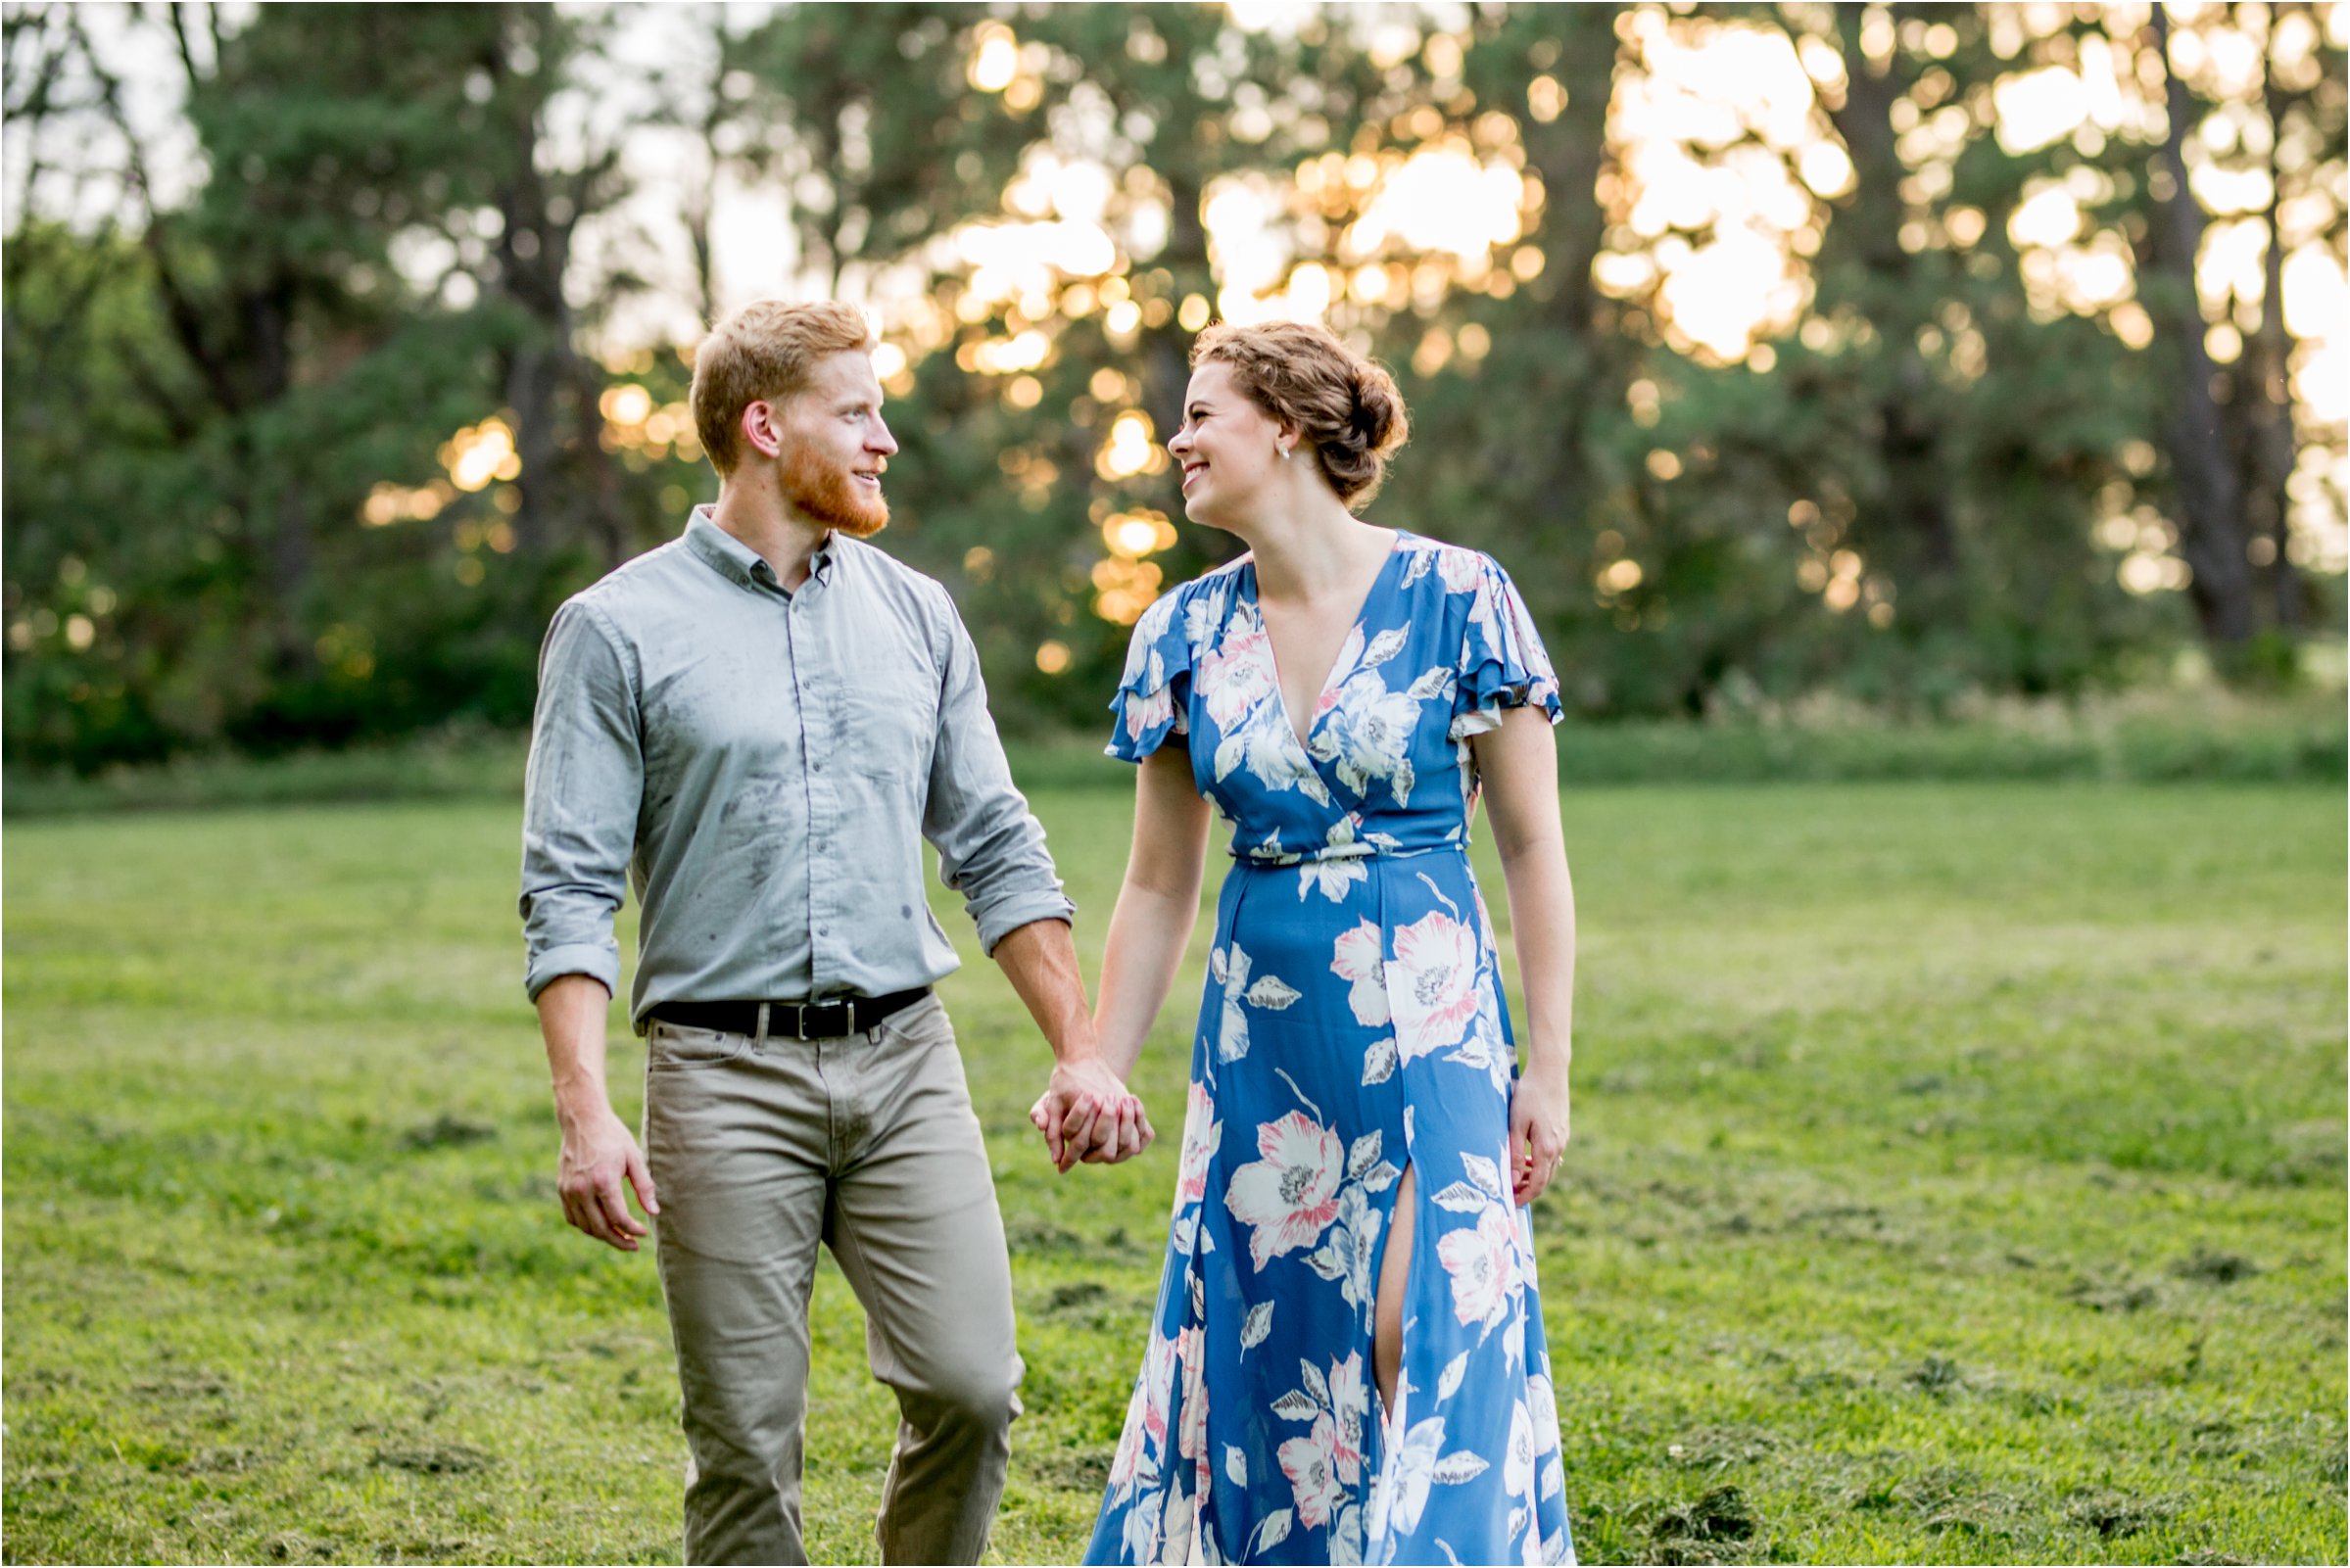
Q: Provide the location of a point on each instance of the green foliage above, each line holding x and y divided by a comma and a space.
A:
1957, 1176
1908, 499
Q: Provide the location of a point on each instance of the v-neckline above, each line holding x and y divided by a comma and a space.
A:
1303, 739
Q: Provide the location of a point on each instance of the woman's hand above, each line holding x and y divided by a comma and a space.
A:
1538, 1131
1088, 1114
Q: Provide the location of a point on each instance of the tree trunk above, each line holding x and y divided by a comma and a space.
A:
1914, 515
1550, 479
2268, 399
1165, 357
2211, 501
568, 490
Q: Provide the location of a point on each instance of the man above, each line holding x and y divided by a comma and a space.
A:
755, 725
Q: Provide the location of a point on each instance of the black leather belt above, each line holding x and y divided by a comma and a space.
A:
797, 1020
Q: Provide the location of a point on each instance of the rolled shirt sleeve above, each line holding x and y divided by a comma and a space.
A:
990, 846
581, 798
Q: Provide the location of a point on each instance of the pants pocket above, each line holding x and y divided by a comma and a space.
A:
673, 1046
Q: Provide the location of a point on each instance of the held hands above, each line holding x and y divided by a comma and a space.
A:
1088, 1114
599, 1154
1538, 1131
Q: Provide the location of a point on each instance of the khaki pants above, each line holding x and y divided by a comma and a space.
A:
759, 1150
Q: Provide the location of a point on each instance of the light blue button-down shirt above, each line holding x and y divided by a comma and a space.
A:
762, 768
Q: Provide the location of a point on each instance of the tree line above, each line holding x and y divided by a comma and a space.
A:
304, 449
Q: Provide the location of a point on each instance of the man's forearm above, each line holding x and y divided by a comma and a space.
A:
571, 1016
1041, 960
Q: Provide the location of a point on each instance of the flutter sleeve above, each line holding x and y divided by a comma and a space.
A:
1502, 664
1156, 688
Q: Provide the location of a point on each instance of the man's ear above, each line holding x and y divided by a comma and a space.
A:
762, 427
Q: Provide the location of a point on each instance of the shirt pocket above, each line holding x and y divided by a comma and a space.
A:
889, 720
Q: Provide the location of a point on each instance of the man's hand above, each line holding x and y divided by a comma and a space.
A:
1086, 1115
599, 1154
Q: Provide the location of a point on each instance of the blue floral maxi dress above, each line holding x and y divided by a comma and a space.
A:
1352, 1025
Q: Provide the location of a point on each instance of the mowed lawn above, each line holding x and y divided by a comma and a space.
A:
1957, 1176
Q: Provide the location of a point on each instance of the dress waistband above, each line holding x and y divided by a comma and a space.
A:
1359, 849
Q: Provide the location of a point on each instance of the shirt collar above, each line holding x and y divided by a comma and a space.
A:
730, 557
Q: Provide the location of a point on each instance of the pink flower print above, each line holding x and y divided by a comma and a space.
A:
1483, 1265
1290, 1195
1203, 1136
1312, 1465
1191, 1352
1432, 981
1146, 1414
1459, 568
1356, 958
1238, 672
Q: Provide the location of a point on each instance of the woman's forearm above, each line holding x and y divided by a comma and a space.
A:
1149, 933
1520, 762
1541, 922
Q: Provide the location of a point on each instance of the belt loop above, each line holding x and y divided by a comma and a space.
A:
760, 1043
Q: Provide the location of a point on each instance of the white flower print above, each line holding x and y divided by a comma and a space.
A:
1331, 877
1356, 959
1335, 874
1352, 1244
1350, 1403
1203, 1136
1431, 982
1230, 968
1154, 705
1148, 632
1368, 736
1289, 1196
1482, 1263
1484, 1048
1542, 1408
1263, 746
1205, 609
1412, 1467
1499, 627
1518, 1460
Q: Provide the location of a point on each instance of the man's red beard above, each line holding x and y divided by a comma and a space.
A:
825, 491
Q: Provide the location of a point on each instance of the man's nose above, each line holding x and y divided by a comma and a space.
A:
881, 441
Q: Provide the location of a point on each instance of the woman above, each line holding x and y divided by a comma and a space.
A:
1359, 1152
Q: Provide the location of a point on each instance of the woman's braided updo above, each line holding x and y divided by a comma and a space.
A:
1345, 407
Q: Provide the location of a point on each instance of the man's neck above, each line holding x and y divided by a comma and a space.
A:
773, 528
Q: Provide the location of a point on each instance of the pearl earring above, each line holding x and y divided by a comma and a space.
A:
1285, 454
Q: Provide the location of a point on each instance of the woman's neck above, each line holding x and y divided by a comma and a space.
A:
1314, 551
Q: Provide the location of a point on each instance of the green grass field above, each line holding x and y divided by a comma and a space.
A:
1958, 1176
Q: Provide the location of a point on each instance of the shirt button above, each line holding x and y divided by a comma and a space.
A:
824, 931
